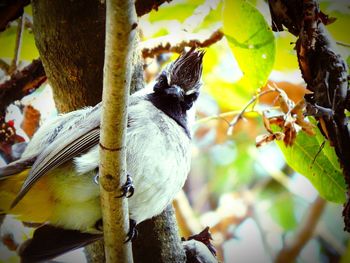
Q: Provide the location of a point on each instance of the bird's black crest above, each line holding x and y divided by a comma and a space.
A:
177, 87
186, 71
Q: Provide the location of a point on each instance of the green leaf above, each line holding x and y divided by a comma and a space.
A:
339, 10
320, 167
281, 204
219, 78
8, 41
228, 95
286, 58
282, 211
251, 41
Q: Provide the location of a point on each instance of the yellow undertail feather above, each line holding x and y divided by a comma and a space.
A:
37, 204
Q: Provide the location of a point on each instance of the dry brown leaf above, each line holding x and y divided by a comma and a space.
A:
291, 120
31, 118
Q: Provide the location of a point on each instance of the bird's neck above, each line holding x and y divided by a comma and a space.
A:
171, 107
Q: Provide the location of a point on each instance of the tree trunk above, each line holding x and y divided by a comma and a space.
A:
159, 240
70, 36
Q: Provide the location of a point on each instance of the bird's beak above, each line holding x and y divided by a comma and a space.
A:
175, 91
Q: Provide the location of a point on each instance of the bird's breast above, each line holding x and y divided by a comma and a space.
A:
158, 159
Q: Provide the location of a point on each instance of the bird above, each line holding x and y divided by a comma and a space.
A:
55, 182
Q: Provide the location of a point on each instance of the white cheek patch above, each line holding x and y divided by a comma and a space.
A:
189, 92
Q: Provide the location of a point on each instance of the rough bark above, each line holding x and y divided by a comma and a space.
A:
325, 74
95, 252
158, 240
70, 38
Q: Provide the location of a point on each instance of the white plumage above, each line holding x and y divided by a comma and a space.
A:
158, 159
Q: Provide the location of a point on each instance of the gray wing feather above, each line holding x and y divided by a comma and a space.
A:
61, 150
16, 167
82, 136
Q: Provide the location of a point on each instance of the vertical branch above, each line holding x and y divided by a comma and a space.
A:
158, 240
120, 34
325, 73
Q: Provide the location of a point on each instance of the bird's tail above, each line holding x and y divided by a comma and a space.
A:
49, 242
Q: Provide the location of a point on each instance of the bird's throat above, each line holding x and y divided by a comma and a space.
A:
172, 108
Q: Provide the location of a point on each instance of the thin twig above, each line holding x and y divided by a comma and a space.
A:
15, 60
343, 44
303, 234
177, 42
222, 116
239, 116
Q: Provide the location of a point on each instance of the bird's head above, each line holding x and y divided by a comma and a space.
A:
181, 80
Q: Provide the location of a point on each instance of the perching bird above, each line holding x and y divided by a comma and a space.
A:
54, 182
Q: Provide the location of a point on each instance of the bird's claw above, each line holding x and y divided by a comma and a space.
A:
133, 233
128, 188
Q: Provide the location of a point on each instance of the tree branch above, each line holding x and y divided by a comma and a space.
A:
120, 34
145, 6
21, 83
177, 43
158, 240
185, 216
303, 234
11, 11
325, 73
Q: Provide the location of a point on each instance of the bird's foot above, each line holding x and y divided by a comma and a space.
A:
132, 234
128, 188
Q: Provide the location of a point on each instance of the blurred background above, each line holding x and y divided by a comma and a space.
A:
252, 200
